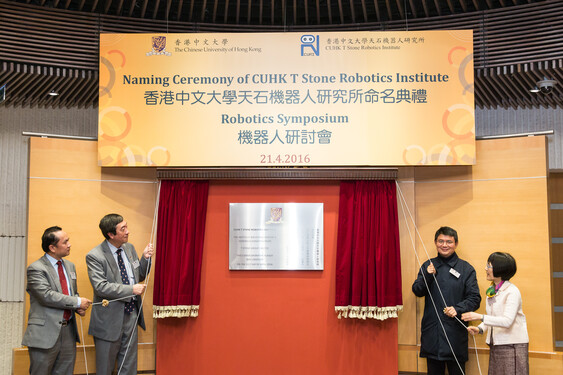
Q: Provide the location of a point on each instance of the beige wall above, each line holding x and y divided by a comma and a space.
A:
500, 204
68, 189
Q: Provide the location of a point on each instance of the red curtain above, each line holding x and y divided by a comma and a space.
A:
181, 227
368, 266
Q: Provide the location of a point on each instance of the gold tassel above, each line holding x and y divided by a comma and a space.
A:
368, 312
175, 311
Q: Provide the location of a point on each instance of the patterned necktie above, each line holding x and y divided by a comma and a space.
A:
129, 306
64, 287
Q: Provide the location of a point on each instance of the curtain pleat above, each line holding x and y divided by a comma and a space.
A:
181, 228
368, 265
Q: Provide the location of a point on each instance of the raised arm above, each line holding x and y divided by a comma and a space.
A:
419, 286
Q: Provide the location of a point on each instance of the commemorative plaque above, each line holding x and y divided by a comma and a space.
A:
276, 236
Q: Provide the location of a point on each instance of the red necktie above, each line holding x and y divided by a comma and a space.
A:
64, 287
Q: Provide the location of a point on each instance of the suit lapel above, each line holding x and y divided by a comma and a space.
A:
53, 275
111, 262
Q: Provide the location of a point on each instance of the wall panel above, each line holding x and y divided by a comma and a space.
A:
557, 257
556, 229
557, 224
500, 204
11, 316
511, 121
68, 189
14, 152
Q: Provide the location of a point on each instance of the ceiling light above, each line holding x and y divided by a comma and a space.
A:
535, 89
53, 93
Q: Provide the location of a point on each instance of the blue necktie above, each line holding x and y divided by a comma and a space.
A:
129, 306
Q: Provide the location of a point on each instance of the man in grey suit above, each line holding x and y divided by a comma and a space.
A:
115, 273
51, 333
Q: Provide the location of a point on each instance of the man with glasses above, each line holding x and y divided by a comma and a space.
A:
449, 287
116, 273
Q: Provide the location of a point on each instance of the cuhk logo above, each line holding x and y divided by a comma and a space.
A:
158, 46
311, 44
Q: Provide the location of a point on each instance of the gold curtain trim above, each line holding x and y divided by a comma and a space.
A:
368, 312
181, 311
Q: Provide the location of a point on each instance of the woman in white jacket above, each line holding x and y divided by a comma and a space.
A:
504, 323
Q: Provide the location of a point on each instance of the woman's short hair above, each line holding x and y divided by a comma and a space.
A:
504, 265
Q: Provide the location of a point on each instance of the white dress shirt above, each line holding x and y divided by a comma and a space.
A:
128, 268
56, 267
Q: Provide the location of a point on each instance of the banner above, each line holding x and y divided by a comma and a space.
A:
287, 99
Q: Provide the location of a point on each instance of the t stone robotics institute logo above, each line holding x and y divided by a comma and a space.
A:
158, 46
310, 42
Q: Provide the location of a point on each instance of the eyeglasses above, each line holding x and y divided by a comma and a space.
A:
489, 266
447, 242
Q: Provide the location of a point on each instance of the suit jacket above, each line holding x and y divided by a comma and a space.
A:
47, 303
106, 322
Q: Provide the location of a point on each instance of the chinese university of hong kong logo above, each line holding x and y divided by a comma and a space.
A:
158, 46
275, 215
311, 44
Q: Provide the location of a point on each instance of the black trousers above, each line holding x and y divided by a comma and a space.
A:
436, 367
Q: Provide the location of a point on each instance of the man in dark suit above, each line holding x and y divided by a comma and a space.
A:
51, 333
115, 273
446, 278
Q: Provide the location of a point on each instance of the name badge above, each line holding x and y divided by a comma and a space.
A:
135, 264
455, 273
73, 275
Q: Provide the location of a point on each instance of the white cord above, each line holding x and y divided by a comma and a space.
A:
147, 275
83, 344
147, 278
476, 354
424, 278
421, 241
402, 200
